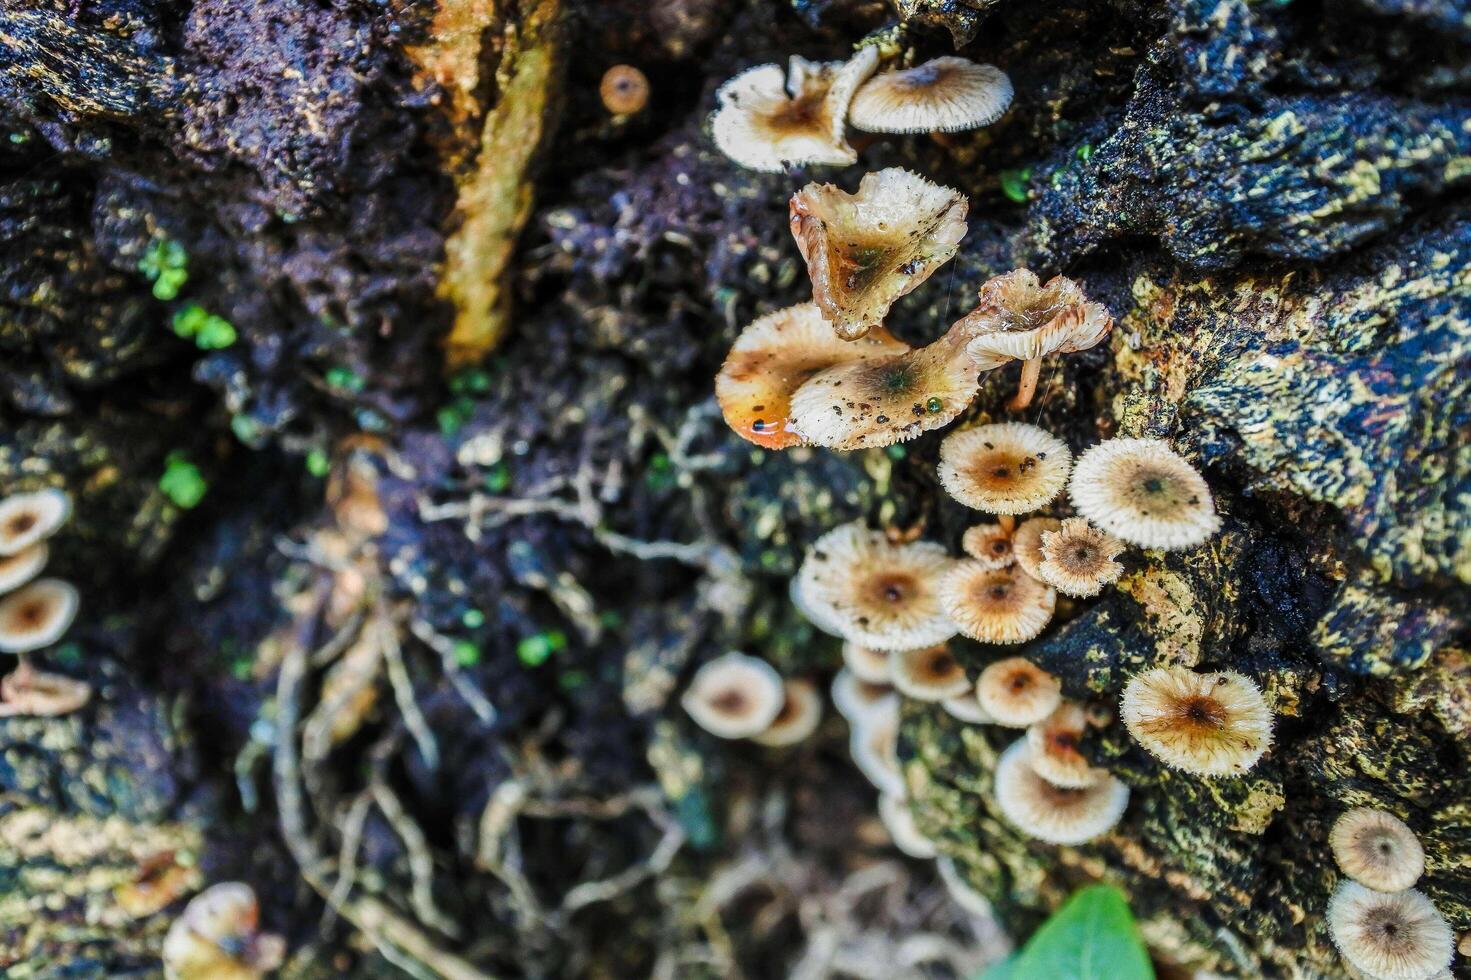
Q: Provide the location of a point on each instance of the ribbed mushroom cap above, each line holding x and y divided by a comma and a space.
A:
943, 95
774, 356
989, 544
931, 674
36, 615
801, 711
894, 812
1078, 558
762, 125
1004, 468
813, 616
866, 663
26, 518
1018, 318
1055, 814
734, 696
1055, 756
1017, 693
996, 605
36, 693
858, 700
1213, 724
1144, 492
1026, 543
1377, 850
878, 594
866, 249
967, 709
217, 938
874, 744
1390, 935
18, 569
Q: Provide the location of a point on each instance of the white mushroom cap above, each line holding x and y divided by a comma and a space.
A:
1017, 693
1020, 319
1390, 935
18, 569
894, 812
1376, 849
989, 544
801, 711
1005, 467
1144, 492
859, 701
734, 696
1051, 813
874, 744
967, 709
1026, 543
867, 664
1055, 756
961, 892
930, 674
943, 95
36, 615
996, 605
1210, 724
1078, 559
26, 518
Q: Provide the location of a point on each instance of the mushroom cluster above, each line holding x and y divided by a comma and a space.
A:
34, 612
736, 696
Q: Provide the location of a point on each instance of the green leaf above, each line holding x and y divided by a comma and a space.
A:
208, 331
1014, 183
182, 482
1092, 937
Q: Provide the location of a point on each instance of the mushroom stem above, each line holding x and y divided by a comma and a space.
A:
1027, 387
1007, 522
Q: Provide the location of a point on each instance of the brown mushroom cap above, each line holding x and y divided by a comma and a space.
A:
734, 696
989, 544
1212, 724
1377, 849
801, 711
36, 615
39, 694
1055, 756
930, 674
865, 250
899, 821
18, 569
1078, 558
1017, 693
1004, 468
1144, 492
1026, 543
867, 664
996, 605
624, 90
942, 95
1055, 814
857, 700
774, 356
1020, 319
26, 518
1390, 935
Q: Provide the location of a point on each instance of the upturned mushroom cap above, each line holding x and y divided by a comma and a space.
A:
1390, 935
1005, 467
1078, 558
1018, 318
996, 605
894, 812
1017, 693
942, 95
866, 663
18, 569
874, 745
1026, 543
865, 250
217, 937
39, 694
734, 696
989, 544
26, 518
800, 713
931, 674
774, 356
1144, 492
1212, 724
878, 594
1055, 756
769, 119
1055, 814
36, 615
858, 700
1377, 850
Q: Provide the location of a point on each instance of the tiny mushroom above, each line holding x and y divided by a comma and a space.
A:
942, 95
1144, 492
734, 696
1377, 850
1017, 693
865, 250
894, 812
769, 119
930, 674
996, 605
1390, 935
1055, 755
1026, 543
38, 694
1055, 814
774, 356
1209, 724
36, 615
218, 937
1078, 559
624, 90
1020, 319
866, 663
18, 569
857, 700
800, 713
26, 518
989, 544
1004, 468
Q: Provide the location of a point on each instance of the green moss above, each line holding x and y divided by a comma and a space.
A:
208, 330
182, 482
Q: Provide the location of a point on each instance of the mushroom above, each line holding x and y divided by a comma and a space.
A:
813, 616
1017, 693
218, 937
624, 90
1212, 724
1026, 543
1019, 319
769, 119
34, 693
1078, 559
930, 674
858, 700
1055, 814
800, 713
989, 544
877, 593
734, 696
1377, 850
36, 615
1390, 935
874, 745
1005, 468
1144, 492
1054, 741
866, 663
865, 250
996, 605
894, 812
942, 95
967, 709
19, 568
776, 354
962, 893
26, 518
